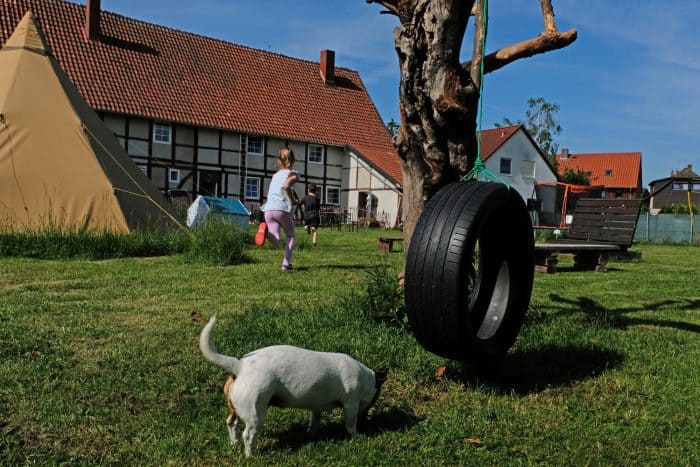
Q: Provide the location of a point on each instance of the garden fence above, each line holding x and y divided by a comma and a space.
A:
667, 228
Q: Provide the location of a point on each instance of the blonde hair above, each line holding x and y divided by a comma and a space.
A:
285, 158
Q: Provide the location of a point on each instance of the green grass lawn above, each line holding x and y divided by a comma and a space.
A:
99, 363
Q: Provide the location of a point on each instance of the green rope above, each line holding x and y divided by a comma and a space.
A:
479, 171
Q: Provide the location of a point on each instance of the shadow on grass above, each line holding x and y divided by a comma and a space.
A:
597, 314
531, 371
390, 420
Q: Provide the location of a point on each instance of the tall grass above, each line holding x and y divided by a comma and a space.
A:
215, 243
220, 244
381, 300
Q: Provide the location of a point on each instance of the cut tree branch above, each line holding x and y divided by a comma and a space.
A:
480, 27
538, 45
550, 39
548, 15
391, 5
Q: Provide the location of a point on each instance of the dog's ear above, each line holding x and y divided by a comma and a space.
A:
380, 376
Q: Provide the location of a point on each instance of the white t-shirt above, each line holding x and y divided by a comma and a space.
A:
277, 199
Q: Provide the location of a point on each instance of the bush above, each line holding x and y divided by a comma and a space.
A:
543, 235
382, 299
678, 209
219, 243
576, 177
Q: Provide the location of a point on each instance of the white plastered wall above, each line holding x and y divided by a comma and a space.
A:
359, 176
519, 148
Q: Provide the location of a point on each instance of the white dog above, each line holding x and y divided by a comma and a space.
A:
286, 376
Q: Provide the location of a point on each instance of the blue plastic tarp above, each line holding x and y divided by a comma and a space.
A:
205, 208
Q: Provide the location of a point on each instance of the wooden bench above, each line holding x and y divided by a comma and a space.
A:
601, 228
386, 244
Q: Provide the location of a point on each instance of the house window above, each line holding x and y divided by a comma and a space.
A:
174, 175
505, 166
143, 168
332, 195
252, 188
314, 154
608, 172
680, 186
161, 133
255, 145
528, 169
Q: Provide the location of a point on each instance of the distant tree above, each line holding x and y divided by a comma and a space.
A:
576, 177
540, 123
393, 127
646, 198
439, 95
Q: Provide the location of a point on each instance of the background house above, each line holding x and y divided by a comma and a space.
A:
620, 173
203, 116
512, 154
675, 189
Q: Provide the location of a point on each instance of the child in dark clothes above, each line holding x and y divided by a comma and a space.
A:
312, 212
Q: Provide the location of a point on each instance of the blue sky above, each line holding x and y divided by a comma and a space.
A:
630, 82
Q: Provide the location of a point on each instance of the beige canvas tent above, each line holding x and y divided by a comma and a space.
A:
60, 166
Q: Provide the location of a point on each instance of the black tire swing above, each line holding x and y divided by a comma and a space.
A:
469, 271
470, 264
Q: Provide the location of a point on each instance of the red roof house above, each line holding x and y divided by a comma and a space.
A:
511, 154
145, 79
620, 173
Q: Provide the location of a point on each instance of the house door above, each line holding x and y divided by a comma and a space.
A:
367, 205
209, 182
362, 204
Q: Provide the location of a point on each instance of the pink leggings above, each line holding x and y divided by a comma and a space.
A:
274, 220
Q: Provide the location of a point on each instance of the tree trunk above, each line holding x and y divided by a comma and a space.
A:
439, 101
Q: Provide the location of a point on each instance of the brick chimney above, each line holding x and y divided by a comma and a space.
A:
92, 19
327, 70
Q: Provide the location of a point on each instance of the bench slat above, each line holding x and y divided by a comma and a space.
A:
628, 217
584, 202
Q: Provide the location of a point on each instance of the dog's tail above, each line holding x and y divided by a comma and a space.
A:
230, 364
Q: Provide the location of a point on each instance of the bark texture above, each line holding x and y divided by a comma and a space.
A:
439, 96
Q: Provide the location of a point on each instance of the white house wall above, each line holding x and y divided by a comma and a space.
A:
520, 148
362, 177
335, 158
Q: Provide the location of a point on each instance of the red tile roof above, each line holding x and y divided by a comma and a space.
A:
148, 70
611, 170
493, 138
